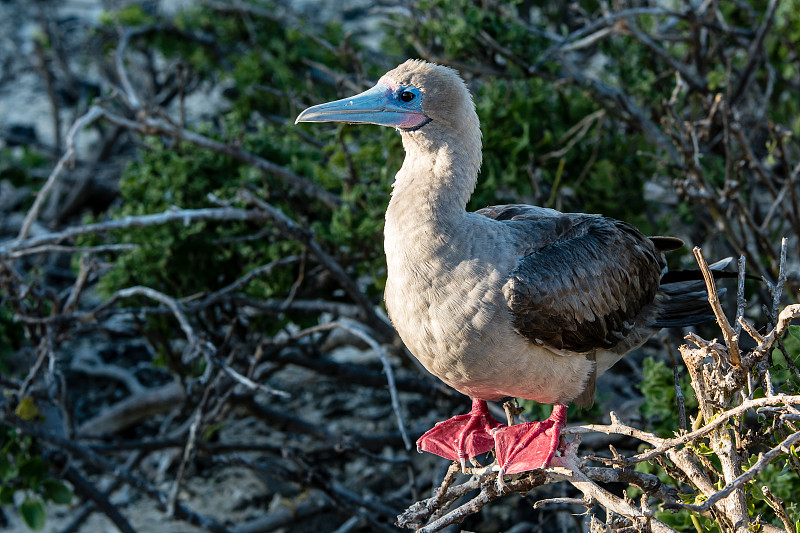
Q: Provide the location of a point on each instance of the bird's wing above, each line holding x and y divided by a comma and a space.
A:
583, 280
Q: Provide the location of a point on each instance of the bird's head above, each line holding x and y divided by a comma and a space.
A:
415, 96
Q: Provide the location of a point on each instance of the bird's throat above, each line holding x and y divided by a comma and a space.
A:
436, 180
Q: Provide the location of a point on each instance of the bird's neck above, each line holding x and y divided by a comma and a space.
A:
436, 181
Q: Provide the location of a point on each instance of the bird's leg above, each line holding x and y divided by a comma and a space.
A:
463, 436
529, 446
512, 409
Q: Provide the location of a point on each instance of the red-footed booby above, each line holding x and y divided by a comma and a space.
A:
510, 300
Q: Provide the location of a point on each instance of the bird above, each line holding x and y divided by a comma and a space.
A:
508, 301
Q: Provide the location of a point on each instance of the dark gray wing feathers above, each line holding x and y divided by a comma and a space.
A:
585, 280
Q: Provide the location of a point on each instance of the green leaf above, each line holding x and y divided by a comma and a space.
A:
33, 513
717, 79
57, 492
8, 470
7, 494
703, 449
32, 469
27, 409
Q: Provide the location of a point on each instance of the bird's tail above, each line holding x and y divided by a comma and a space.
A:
683, 297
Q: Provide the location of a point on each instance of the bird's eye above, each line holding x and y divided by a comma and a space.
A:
407, 96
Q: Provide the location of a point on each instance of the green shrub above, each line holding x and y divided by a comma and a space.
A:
23, 471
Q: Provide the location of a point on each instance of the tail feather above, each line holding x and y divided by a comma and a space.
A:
683, 303
683, 296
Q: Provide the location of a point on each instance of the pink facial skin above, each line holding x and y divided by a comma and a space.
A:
388, 83
413, 120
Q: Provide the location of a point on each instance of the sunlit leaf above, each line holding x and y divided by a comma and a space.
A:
27, 409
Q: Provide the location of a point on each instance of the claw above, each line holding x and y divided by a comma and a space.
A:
500, 484
463, 436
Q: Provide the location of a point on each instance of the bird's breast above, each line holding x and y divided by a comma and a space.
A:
442, 290
444, 294
441, 297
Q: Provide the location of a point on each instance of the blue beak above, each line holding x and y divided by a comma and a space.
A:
378, 105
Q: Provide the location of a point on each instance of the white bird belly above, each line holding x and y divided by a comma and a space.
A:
453, 317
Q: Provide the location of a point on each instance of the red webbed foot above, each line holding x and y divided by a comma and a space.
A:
529, 446
463, 436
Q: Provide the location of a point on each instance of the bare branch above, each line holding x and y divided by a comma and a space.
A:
387, 369
128, 92
85, 488
731, 339
133, 409
186, 216
777, 505
289, 227
33, 213
755, 52
763, 460
662, 445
